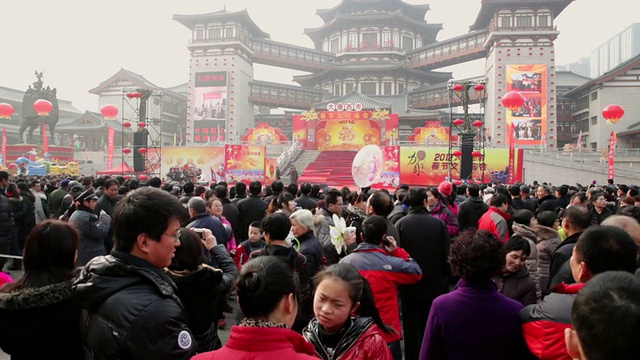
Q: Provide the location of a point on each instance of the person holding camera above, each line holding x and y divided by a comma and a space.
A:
201, 288
385, 265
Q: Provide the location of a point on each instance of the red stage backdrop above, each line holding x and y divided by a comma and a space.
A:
345, 130
432, 133
263, 133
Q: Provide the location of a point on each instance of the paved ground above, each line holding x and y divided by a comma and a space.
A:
223, 333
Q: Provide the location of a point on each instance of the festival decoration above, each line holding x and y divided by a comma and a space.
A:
513, 100
476, 154
142, 177
458, 122
337, 233
42, 107
458, 87
479, 87
613, 113
457, 153
126, 124
142, 124
478, 123
6, 110
109, 112
367, 166
126, 150
142, 150
134, 94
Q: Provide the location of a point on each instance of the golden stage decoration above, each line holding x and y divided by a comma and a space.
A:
310, 115
378, 114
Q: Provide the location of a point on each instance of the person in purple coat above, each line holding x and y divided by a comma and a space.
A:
475, 321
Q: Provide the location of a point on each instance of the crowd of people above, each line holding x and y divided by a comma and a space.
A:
117, 269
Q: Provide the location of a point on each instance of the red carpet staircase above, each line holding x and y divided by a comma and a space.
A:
330, 167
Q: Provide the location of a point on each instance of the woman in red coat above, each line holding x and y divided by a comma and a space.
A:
267, 292
342, 292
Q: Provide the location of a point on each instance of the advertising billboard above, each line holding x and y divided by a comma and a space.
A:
193, 163
530, 121
209, 113
244, 163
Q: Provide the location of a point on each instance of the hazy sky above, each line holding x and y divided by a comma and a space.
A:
80, 43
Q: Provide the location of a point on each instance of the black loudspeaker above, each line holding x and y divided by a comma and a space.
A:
466, 163
139, 141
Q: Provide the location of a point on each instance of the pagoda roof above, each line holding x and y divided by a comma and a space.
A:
222, 16
619, 70
417, 12
355, 96
137, 80
375, 67
347, 20
88, 121
490, 7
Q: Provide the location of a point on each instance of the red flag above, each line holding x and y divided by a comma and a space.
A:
612, 155
111, 136
4, 147
512, 153
45, 140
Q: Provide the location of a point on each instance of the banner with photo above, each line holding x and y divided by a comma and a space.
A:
209, 105
530, 121
427, 166
432, 133
244, 163
193, 163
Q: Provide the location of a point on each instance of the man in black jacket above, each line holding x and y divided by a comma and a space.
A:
250, 209
472, 209
426, 239
200, 218
107, 202
305, 201
130, 309
6, 219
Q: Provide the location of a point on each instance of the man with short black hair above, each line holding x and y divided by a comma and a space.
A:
546, 201
385, 266
516, 201
575, 220
471, 210
130, 309
304, 200
606, 318
241, 193
107, 202
277, 187
496, 219
530, 202
379, 203
188, 189
324, 221
250, 209
399, 207
55, 199
599, 249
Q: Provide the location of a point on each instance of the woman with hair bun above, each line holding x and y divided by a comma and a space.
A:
465, 323
267, 292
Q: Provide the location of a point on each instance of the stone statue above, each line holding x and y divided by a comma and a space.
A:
30, 118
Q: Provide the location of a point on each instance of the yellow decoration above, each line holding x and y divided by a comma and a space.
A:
378, 114
310, 115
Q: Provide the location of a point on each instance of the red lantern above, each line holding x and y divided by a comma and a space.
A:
126, 150
478, 123
142, 151
613, 113
458, 87
476, 154
126, 124
513, 100
142, 177
142, 124
479, 87
458, 122
6, 110
127, 177
43, 107
109, 112
134, 94
457, 153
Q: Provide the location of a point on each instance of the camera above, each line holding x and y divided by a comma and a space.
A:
200, 232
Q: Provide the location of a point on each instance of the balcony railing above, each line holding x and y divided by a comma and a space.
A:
272, 94
290, 56
449, 52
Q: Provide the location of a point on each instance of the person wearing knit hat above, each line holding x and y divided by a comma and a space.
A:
446, 190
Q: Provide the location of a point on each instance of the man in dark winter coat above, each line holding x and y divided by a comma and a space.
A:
130, 309
200, 218
576, 220
305, 201
107, 202
546, 201
92, 228
472, 209
6, 219
426, 239
250, 209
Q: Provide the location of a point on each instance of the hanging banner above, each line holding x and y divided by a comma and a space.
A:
111, 139
210, 101
244, 163
4, 147
612, 154
512, 155
193, 163
530, 121
45, 140
424, 166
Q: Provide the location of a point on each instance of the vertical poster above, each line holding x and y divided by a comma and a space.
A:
244, 163
612, 154
270, 170
4, 147
300, 130
45, 140
209, 111
193, 163
390, 175
111, 136
530, 121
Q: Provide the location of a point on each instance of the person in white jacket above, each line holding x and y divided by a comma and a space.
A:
40, 204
